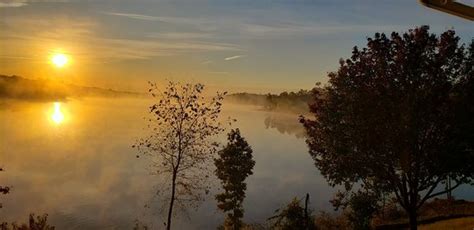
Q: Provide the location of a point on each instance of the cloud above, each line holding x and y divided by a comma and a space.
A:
278, 28
81, 37
14, 57
219, 72
20, 3
234, 57
134, 16
292, 29
241, 27
180, 35
144, 49
12, 3
174, 20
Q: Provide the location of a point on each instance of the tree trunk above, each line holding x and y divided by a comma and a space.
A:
170, 209
413, 222
448, 188
306, 215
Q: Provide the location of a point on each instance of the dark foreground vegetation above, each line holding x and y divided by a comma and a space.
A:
392, 217
393, 128
34, 223
297, 215
3, 189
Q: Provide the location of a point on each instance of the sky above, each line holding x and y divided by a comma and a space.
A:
236, 45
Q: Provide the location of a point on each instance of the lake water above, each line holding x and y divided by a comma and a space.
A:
73, 160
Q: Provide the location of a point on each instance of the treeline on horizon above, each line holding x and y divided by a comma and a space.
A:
21, 88
17, 87
284, 102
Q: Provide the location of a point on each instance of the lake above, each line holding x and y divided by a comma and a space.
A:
73, 160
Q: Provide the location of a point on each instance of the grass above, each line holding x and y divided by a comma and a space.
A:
438, 214
466, 223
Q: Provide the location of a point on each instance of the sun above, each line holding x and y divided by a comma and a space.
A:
59, 60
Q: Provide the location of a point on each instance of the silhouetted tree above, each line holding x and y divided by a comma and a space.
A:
359, 207
140, 226
3, 189
180, 143
233, 166
293, 216
34, 223
397, 117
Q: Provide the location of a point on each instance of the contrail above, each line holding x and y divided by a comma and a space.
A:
234, 57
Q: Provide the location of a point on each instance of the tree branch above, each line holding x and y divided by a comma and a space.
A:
445, 191
429, 195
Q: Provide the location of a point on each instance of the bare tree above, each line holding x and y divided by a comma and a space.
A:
180, 144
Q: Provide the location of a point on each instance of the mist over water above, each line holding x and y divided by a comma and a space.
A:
83, 172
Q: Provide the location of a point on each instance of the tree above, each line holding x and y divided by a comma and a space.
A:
34, 223
182, 125
3, 189
397, 117
294, 216
233, 166
359, 207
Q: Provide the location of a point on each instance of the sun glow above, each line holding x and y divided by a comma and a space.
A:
59, 60
57, 117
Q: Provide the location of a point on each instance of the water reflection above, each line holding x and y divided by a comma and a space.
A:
285, 124
86, 176
57, 116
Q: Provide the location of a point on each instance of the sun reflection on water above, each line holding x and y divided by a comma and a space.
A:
57, 116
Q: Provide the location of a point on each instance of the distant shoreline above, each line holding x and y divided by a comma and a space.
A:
20, 88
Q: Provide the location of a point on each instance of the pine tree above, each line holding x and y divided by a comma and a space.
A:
234, 165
